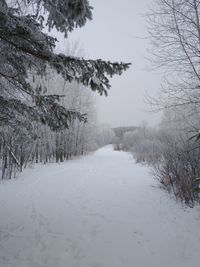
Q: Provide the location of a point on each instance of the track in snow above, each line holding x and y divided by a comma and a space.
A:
101, 210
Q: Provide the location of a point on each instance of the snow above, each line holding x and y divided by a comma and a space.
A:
96, 80
101, 210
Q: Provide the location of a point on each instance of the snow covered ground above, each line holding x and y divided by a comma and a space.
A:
101, 210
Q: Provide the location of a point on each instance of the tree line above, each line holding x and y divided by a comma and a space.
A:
173, 149
46, 109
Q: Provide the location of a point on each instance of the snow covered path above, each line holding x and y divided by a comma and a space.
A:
101, 210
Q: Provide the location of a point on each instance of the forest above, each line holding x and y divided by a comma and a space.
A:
46, 105
88, 178
172, 149
48, 110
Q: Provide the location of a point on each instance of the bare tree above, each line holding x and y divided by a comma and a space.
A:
174, 26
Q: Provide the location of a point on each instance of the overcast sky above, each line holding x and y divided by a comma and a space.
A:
117, 32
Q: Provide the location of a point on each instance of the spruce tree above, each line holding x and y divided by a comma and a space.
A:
26, 52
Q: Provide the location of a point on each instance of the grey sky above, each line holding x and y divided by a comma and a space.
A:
116, 33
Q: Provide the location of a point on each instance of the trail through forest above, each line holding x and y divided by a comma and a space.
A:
101, 210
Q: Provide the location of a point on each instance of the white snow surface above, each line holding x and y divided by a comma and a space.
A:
101, 210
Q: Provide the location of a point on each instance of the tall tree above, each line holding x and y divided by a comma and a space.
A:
26, 52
